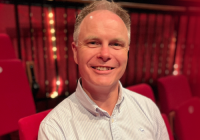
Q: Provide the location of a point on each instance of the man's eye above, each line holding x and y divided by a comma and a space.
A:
93, 44
116, 45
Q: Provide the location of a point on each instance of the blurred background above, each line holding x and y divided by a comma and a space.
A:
165, 40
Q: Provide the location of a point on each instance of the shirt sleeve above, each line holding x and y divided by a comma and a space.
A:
162, 133
47, 132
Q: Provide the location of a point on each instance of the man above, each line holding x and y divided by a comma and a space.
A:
101, 108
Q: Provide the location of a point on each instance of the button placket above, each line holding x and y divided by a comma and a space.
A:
114, 125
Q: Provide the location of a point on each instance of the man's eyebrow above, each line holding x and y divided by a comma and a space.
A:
112, 40
118, 40
91, 37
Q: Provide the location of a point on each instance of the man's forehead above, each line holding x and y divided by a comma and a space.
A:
101, 14
100, 21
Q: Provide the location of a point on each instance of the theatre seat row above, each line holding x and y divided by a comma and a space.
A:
182, 127
183, 109
28, 126
16, 99
177, 102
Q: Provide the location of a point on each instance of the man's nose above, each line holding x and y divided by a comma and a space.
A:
104, 53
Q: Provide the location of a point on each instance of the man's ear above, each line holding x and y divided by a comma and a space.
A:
74, 49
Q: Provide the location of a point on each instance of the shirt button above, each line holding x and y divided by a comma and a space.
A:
112, 120
97, 114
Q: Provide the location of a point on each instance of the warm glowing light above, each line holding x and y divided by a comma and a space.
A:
51, 21
175, 72
50, 15
65, 48
53, 38
52, 30
65, 15
1, 69
174, 39
55, 56
175, 66
54, 94
54, 49
46, 82
58, 82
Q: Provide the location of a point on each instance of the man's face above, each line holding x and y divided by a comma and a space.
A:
102, 49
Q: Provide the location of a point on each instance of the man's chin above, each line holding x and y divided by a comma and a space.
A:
105, 83
100, 82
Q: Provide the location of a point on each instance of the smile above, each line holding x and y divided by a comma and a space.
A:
102, 68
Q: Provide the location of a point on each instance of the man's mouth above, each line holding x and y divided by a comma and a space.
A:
103, 68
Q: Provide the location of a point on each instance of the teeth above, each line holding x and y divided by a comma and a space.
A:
103, 68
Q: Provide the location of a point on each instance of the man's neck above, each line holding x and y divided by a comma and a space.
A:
105, 97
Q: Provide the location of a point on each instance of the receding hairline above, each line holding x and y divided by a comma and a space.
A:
102, 5
95, 13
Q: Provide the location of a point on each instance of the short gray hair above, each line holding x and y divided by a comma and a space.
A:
101, 5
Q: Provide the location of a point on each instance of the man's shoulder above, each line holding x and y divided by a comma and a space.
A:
63, 110
62, 116
137, 97
142, 102
149, 109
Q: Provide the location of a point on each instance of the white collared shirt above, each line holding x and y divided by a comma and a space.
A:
79, 118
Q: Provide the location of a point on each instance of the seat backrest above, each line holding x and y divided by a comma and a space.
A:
171, 137
16, 99
186, 120
6, 48
143, 89
29, 126
172, 91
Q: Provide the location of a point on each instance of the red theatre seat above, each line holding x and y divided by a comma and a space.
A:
186, 120
173, 90
143, 89
29, 126
6, 48
16, 100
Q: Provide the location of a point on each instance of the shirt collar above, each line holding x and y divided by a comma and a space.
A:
91, 106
